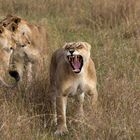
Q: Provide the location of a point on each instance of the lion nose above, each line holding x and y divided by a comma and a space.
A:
14, 74
71, 51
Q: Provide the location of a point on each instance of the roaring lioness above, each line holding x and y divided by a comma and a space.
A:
31, 41
6, 48
72, 72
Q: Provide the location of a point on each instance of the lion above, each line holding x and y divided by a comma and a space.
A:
72, 73
37, 35
6, 48
31, 40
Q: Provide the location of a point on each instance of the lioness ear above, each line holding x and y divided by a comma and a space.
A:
65, 45
16, 20
87, 45
13, 27
1, 29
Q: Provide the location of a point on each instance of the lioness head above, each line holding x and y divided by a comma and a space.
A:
18, 26
6, 49
77, 54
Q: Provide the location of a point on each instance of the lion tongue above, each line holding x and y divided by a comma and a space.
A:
76, 63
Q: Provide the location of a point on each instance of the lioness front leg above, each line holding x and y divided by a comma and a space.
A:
94, 96
61, 103
80, 110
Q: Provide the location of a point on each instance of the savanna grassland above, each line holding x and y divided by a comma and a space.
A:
113, 29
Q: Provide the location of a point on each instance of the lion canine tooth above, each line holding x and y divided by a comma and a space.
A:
76, 57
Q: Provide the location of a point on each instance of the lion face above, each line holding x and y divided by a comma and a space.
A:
18, 27
6, 49
6, 40
6, 46
77, 54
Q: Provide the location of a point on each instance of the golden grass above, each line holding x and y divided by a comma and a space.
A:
112, 27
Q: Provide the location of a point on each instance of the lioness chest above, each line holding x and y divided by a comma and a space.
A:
75, 86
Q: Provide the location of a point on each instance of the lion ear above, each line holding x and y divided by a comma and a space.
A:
65, 45
1, 29
13, 27
87, 45
16, 20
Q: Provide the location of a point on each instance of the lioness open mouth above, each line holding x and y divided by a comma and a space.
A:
76, 62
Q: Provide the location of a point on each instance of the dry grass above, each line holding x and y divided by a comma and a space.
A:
112, 27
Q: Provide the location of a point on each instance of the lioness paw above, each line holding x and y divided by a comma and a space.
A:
61, 131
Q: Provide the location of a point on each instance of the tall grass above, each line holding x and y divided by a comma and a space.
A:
112, 28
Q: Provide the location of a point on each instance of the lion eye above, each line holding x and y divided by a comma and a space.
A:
29, 42
23, 33
80, 46
23, 45
4, 24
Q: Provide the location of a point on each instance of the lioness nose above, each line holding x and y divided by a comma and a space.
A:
14, 74
71, 51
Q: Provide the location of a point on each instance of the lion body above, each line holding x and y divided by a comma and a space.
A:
64, 82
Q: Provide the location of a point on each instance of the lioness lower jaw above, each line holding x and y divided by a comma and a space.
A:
76, 62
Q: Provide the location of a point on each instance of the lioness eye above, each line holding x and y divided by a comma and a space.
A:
4, 24
80, 47
23, 45
23, 33
29, 42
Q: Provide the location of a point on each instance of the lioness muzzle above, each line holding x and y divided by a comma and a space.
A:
4, 84
15, 74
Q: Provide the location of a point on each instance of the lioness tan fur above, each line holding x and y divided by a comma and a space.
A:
31, 41
72, 72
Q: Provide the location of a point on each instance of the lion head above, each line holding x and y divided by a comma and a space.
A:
77, 54
29, 41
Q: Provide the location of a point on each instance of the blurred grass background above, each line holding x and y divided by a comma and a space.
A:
113, 30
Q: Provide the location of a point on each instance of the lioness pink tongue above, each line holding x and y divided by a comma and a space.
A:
76, 63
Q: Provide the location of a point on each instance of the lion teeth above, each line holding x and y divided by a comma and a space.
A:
76, 58
72, 58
